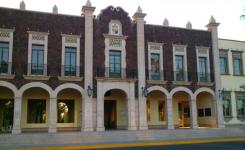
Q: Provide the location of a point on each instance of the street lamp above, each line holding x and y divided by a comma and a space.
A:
144, 91
89, 91
221, 93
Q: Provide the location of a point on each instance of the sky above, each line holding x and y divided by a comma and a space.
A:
178, 12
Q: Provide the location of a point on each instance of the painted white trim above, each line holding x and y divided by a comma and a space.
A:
10, 41
159, 88
74, 45
67, 86
181, 89
203, 89
198, 54
185, 59
160, 52
33, 85
9, 86
40, 42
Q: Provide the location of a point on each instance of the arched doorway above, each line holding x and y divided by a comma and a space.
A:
35, 106
6, 109
181, 110
69, 102
205, 110
115, 110
156, 109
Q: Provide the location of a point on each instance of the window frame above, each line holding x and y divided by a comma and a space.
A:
6, 36
236, 96
227, 97
224, 54
203, 52
241, 62
184, 54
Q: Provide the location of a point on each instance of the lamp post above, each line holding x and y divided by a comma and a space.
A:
89, 91
144, 91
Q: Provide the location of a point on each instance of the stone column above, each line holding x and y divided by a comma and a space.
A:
139, 18
52, 115
100, 108
170, 113
193, 113
131, 108
213, 28
17, 115
87, 121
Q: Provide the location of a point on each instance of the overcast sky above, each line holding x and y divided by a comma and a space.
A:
178, 12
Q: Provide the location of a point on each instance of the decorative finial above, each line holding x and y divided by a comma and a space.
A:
139, 10
165, 22
189, 25
22, 5
88, 3
212, 20
55, 9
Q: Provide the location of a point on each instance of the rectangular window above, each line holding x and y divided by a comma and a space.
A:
115, 64
161, 112
223, 62
70, 61
36, 111
65, 111
203, 76
179, 68
37, 61
155, 66
227, 104
240, 99
200, 113
4, 57
237, 63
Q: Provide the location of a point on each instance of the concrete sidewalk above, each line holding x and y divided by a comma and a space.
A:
24, 140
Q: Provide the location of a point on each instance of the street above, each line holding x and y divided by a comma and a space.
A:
203, 146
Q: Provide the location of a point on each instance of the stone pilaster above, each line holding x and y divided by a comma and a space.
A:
213, 28
169, 106
100, 108
131, 109
87, 122
193, 113
139, 18
17, 115
52, 115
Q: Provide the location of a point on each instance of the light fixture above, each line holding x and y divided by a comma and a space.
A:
89, 91
144, 91
221, 93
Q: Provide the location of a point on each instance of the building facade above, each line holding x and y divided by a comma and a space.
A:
110, 71
232, 80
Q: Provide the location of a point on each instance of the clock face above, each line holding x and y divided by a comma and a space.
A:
115, 29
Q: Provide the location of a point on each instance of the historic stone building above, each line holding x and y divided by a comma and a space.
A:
232, 68
110, 71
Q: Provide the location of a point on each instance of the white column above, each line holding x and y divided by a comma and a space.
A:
52, 115
170, 113
131, 108
139, 18
213, 28
17, 115
193, 113
87, 121
100, 108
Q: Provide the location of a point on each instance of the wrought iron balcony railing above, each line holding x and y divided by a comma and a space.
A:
118, 73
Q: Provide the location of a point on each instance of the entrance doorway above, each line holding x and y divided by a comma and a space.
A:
6, 115
110, 114
183, 114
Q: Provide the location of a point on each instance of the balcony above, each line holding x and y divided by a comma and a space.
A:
7, 70
70, 73
35, 71
156, 77
112, 73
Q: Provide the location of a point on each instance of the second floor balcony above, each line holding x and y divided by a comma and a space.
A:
116, 73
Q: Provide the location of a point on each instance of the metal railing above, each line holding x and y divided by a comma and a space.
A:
204, 77
38, 69
180, 76
156, 74
118, 73
4, 67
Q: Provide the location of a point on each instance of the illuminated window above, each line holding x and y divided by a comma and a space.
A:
148, 110
65, 111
